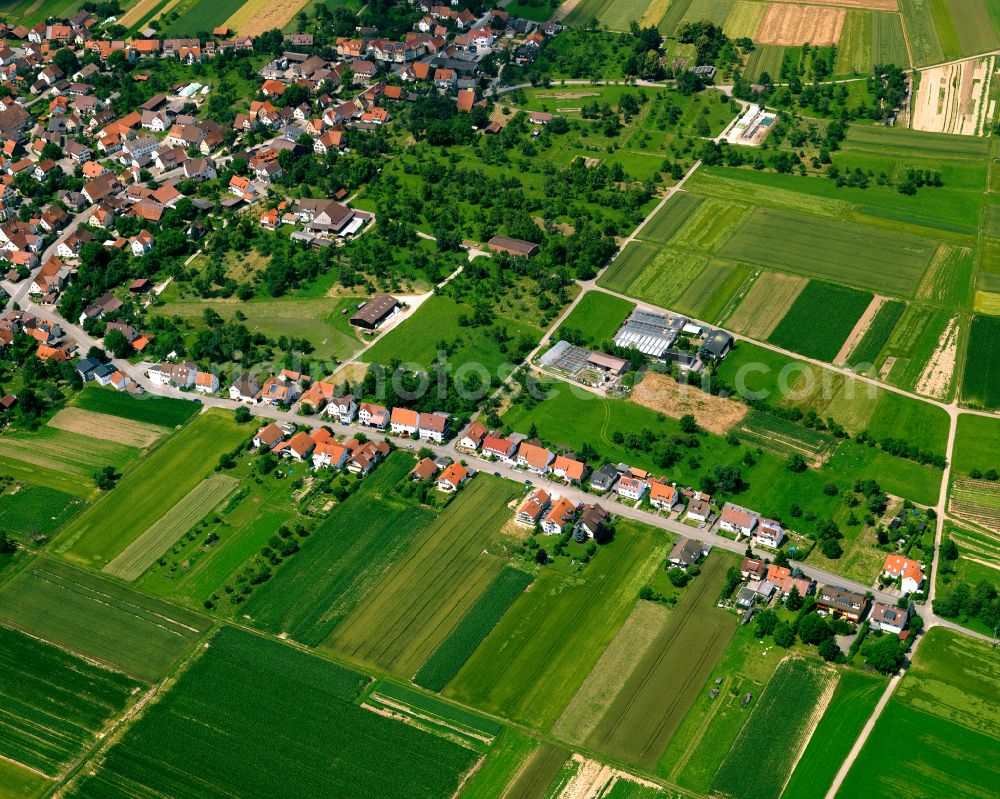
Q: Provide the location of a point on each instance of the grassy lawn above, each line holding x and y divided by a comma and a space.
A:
436, 327
977, 442
321, 321
108, 526
596, 318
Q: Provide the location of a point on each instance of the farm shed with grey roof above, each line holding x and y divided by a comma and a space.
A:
375, 311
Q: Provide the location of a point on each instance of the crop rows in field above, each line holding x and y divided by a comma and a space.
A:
981, 378
436, 713
918, 18
427, 592
888, 44
852, 704
340, 562
877, 334
764, 58
204, 738
669, 218
106, 427
52, 704
768, 300
445, 662
783, 437
832, 249
108, 526
99, 619
979, 546
820, 320
784, 717
627, 265
518, 671
36, 510
854, 49
159, 536
977, 501
666, 681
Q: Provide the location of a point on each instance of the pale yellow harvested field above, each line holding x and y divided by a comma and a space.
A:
744, 19
107, 428
987, 302
950, 98
766, 304
793, 25
256, 16
135, 14
871, 5
654, 12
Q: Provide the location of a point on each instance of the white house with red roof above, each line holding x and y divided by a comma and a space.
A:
908, 571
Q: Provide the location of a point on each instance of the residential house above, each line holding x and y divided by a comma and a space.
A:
473, 437
404, 422
206, 383
330, 453
768, 533
558, 516
533, 507
737, 520
604, 478
906, 570
283, 388
376, 416
364, 457
888, 619
424, 470
452, 478
699, 508
785, 580
499, 448
687, 552
592, 520
850, 605
343, 409
663, 496
569, 469
175, 374
434, 426
245, 389
535, 458
299, 447
631, 488
752, 569
268, 437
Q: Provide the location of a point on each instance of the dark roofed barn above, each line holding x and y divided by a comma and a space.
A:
374, 312
525, 249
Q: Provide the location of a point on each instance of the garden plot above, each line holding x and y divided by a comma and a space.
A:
977, 501
952, 98
796, 25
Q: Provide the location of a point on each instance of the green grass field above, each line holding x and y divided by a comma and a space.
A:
424, 595
627, 265
662, 688
782, 716
54, 704
518, 672
147, 492
437, 320
837, 250
341, 561
596, 318
977, 442
764, 58
945, 707
198, 16
820, 320
509, 752
159, 536
99, 619
852, 704
61, 459
445, 661
147, 408
668, 220
980, 379
17, 782
302, 716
